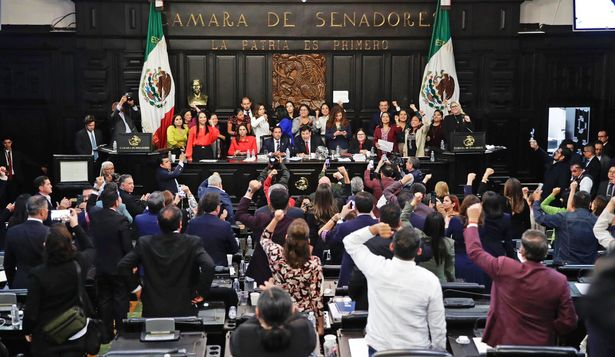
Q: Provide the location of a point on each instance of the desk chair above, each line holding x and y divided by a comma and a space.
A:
412, 353
263, 138
537, 351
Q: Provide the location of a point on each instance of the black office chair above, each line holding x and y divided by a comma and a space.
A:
538, 351
412, 353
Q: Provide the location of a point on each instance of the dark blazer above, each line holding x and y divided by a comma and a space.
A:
216, 236
146, 224
83, 146
605, 164
336, 237
23, 251
593, 168
455, 123
609, 149
268, 145
315, 142
341, 141
117, 124
134, 205
19, 159
166, 180
602, 189
50, 208
53, 289
355, 147
112, 239
225, 199
175, 267
547, 307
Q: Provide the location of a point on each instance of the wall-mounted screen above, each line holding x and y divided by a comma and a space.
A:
594, 15
568, 123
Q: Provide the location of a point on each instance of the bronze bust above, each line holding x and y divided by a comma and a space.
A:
197, 99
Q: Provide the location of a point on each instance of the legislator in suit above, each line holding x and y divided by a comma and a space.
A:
135, 205
336, 237
122, 120
113, 240
24, 244
14, 162
306, 143
593, 167
276, 143
216, 186
216, 236
88, 139
175, 267
529, 301
166, 179
607, 187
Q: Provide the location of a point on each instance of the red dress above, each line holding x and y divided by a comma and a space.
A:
390, 137
245, 144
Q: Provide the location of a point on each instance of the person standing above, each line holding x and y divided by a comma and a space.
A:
14, 161
456, 122
89, 138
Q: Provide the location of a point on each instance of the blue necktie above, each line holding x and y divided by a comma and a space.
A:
93, 142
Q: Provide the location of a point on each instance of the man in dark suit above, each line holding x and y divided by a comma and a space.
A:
175, 267
557, 168
214, 184
89, 138
259, 267
134, 205
607, 187
609, 150
605, 160
305, 143
592, 166
112, 238
14, 161
383, 107
216, 234
547, 309
363, 204
123, 115
146, 223
276, 144
44, 188
166, 178
25, 244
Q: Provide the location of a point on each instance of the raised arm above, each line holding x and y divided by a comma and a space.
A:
242, 213
369, 263
474, 248
602, 225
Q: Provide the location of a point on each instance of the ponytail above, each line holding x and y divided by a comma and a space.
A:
276, 338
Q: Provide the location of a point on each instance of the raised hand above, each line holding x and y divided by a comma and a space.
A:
381, 229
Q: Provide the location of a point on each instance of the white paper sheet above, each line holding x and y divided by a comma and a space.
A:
582, 287
359, 157
358, 347
386, 146
73, 171
481, 347
340, 95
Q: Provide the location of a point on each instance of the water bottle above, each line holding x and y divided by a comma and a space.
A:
442, 145
15, 316
249, 242
287, 154
242, 267
114, 145
232, 313
337, 151
432, 157
238, 243
312, 319
372, 152
330, 346
236, 286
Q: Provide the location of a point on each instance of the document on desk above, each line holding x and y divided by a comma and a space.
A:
481, 347
582, 287
358, 347
2, 276
386, 146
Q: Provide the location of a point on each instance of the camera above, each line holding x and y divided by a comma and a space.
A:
274, 164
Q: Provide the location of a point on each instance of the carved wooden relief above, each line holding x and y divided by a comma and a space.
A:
299, 78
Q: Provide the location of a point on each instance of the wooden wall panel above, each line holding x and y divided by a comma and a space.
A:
372, 81
225, 89
257, 78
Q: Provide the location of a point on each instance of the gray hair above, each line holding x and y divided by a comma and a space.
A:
35, 205
277, 186
356, 185
155, 201
104, 165
214, 179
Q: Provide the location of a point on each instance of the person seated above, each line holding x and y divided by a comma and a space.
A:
293, 268
417, 322
547, 309
607, 187
413, 165
134, 205
166, 178
306, 143
275, 330
339, 130
243, 143
183, 256
216, 234
238, 118
177, 135
277, 144
201, 138
89, 138
214, 184
360, 144
146, 223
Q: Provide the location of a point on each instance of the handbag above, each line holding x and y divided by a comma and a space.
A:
69, 322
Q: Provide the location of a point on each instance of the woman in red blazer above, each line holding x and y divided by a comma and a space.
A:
242, 142
385, 131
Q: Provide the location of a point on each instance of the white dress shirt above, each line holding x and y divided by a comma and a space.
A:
405, 300
260, 126
601, 230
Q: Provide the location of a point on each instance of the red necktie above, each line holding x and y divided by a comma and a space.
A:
307, 147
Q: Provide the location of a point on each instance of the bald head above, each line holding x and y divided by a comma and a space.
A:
324, 180
170, 219
535, 245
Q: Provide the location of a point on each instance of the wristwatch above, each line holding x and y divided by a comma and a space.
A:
250, 189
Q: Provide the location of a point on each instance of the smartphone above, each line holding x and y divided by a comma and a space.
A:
60, 215
433, 198
351, 204
327, 163
539, 187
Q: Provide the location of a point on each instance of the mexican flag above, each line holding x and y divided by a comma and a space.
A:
156, 90
439, 85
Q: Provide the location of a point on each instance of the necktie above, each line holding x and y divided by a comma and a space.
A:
609, 190
9, 161
93, 142
307, 147
277, 145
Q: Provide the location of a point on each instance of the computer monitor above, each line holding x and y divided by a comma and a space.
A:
72, 169
568, 123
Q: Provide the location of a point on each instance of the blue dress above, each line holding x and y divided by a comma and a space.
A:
341, 141
287, 129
